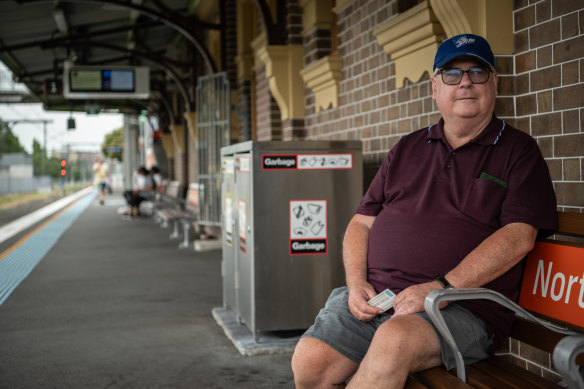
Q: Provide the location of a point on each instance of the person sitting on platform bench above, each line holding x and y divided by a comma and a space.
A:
458, 204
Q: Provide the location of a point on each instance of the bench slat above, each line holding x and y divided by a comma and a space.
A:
570, 223
488, 379
411, 383
529, 332
438, 378
535, 335
513, 375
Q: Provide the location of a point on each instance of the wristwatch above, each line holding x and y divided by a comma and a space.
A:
444, 282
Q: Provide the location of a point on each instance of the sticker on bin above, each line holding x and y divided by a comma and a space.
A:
383, 300
307, 161
308, 227
325, 161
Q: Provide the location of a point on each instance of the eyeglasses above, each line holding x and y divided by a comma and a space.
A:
477, 75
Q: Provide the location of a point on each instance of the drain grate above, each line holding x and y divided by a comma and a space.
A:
17, 265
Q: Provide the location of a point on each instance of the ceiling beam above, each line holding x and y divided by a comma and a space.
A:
83, 35
179, 25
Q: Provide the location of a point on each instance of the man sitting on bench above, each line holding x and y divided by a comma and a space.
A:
458, 204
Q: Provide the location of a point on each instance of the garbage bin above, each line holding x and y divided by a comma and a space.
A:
285, 207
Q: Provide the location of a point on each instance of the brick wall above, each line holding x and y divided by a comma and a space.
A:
268, 122
317, 44
244, 110
549, 68
230, 40
370, 107
294, 22
541, 88
549, 102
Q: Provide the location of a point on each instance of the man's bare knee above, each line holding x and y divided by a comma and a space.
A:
411, 340
317, 365
400, 346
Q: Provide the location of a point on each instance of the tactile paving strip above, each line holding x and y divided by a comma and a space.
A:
18, 264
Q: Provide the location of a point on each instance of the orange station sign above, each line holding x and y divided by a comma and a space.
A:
553, 282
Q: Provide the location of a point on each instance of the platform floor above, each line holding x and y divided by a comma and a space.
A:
115, 304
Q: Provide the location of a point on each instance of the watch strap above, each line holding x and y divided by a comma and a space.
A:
444, 282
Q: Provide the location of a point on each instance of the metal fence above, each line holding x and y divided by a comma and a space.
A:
11, 185
213, 107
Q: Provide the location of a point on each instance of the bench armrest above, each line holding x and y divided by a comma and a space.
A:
434, 298
564, 358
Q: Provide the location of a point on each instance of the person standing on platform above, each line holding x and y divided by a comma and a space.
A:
100, 176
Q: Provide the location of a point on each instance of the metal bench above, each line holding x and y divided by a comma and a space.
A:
191, 212
165, 196
183, 212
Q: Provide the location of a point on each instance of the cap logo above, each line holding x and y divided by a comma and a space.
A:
463, 40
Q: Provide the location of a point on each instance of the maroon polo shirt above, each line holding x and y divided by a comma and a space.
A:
434, 205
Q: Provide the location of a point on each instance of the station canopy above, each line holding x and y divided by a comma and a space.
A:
38, 37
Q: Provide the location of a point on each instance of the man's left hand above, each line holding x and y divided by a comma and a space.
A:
411, 300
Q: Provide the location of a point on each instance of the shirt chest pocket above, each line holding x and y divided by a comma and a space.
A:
484, 199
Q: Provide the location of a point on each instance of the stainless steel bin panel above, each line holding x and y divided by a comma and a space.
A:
278, 288
246, 242
229, 254
290, 289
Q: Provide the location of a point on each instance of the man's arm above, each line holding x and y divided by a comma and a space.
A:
489, 260
355, 248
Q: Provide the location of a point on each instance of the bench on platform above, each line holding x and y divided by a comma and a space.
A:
191, 213
165, 195
550, 317
183, 212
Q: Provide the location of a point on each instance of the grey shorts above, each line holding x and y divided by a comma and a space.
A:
336, 326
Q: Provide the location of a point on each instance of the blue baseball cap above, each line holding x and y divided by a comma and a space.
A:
464, 45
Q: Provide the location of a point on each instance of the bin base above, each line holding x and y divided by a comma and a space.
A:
243, 339
207, 245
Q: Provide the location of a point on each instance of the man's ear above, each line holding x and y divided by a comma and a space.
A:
496, 78
434, 87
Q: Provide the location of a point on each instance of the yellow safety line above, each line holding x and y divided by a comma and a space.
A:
27, 236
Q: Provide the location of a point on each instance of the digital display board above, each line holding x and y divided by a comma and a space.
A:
85, 82
104, 80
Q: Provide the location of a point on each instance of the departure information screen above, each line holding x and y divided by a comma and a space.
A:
102, 80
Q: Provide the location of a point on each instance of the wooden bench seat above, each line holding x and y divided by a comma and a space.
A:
502, 371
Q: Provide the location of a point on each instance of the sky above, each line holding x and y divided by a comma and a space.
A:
88, 136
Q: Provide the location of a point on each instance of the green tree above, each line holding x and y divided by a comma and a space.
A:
43, 165
9, 143
112, 145
38, 158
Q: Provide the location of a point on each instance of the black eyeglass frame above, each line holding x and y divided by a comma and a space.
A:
441, 72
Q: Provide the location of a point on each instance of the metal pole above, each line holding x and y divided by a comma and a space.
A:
44, 147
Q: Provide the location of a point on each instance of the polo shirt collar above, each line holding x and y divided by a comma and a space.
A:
489, 136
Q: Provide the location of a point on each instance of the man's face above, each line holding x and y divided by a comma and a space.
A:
464, 100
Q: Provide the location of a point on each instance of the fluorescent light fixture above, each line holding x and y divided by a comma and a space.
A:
60, 20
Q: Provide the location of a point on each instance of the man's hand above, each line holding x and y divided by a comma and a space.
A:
359, 294
411, 300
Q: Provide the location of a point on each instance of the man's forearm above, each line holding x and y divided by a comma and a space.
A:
355, 248
494, 256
